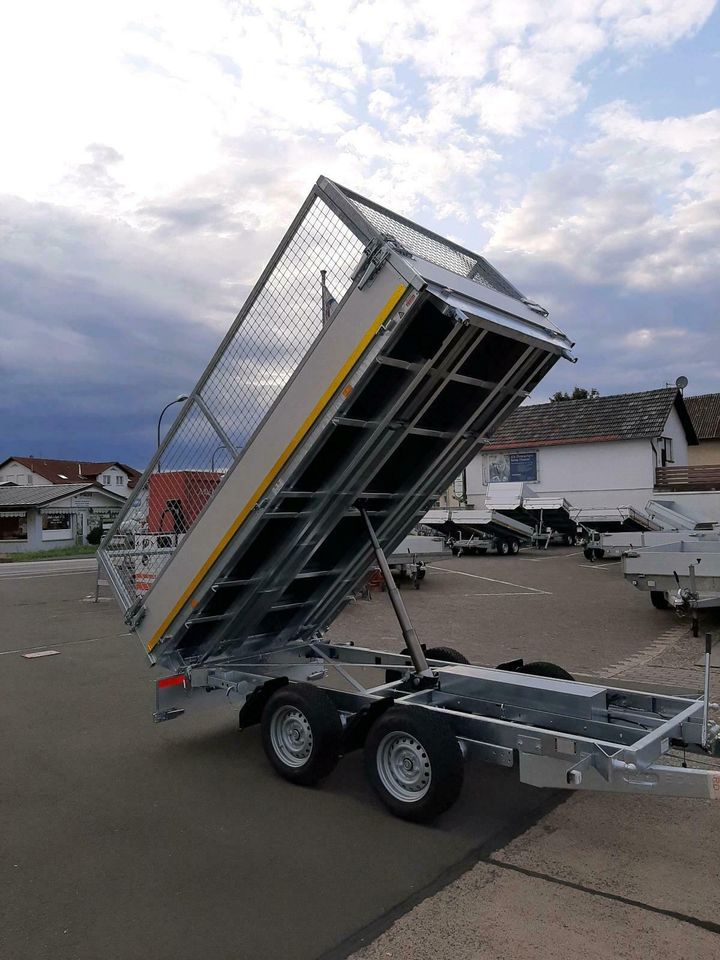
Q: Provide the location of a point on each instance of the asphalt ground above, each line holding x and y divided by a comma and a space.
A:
125, 839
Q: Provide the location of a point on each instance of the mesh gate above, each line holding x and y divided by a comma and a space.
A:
274, 330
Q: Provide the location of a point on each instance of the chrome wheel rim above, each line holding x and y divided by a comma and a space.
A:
404, 766
291, 736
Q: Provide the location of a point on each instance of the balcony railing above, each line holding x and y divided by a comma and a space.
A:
705, 477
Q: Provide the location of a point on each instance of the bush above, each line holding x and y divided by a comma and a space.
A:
95, 536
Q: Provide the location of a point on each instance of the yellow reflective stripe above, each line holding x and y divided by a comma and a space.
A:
282, 460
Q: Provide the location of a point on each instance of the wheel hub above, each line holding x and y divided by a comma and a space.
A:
291, 736
404, 766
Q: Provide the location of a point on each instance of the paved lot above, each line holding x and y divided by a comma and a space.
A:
127, 839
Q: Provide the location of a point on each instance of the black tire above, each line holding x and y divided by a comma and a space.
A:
593, 553
446, 653
543, 668
514, 546
659, 600
307, 712
503, 548
570, 540
414, 763
456, 551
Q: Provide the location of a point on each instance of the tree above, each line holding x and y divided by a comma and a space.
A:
579, 393
95, 535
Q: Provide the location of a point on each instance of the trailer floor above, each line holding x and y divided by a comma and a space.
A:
125, 839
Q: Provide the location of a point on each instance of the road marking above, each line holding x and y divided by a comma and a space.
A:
475, 576
65, 643
41, 653
564, 556
597, 566
524, 593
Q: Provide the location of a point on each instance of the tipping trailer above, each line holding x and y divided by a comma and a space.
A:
343, 403
479, 531
550, 517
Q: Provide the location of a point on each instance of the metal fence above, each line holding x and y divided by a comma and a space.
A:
266, 343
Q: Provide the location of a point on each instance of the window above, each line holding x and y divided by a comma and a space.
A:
13, 526
57, 526
106, 479
29, 479
118, 480
666, 451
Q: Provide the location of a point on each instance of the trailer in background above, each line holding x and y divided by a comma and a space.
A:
670, 525
479, 531
411, 556
681, 574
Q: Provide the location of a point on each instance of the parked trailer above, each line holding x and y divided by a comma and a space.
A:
341, 424
594, 523
680, 574
550, 518
553, 518
479, 531
666, 514
412, 555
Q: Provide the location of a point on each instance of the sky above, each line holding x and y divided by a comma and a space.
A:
155, 152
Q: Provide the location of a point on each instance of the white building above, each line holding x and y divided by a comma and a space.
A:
601, 452
39, 471
52, 516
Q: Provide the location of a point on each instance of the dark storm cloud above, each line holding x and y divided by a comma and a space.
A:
626, 339
102, 324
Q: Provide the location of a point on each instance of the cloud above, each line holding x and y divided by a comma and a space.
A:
155, 152
640, 199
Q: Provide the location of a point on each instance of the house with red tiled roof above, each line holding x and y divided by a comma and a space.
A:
40, 471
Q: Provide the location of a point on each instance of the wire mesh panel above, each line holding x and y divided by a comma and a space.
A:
269, 339
423, 243
282, 322
332, 250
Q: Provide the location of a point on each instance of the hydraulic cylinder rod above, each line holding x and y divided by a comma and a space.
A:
417, 654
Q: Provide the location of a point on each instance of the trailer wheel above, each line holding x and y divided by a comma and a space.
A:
301, 733
503, 548
432, 653
414, 763
570, 540
514, 546
593, 553
446, 653
543, 668
658, 598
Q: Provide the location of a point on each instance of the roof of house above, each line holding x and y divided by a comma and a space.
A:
39, 496
624, 416
27, 496
69, 471
704, 411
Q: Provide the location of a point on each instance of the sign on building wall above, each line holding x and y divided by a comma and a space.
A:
511, 467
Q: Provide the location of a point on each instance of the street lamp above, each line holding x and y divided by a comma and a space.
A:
181, 399
212, 459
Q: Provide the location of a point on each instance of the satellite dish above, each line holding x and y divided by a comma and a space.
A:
681, 383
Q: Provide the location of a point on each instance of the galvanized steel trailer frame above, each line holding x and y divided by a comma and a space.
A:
341, 424
562, 734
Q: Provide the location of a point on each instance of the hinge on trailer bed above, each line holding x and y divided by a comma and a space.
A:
375, 255
135, 614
